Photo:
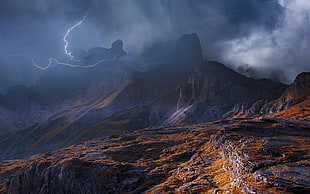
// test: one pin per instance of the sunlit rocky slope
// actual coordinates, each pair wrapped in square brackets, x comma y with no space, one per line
[238,155]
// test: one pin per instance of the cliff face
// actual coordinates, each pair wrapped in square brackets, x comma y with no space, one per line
[250,156]
[213,89]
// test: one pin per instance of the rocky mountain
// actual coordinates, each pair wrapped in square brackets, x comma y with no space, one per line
[184,90]
[181,124]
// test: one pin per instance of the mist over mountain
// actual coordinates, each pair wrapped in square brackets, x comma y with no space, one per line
[267,36]
[85,104]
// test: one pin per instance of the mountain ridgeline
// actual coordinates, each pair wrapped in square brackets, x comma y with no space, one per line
[68,106]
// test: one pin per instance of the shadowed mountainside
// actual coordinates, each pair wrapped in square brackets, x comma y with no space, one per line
[62,87]
[186,89]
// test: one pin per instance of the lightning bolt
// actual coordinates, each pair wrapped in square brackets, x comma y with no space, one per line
[68,33]
[68,53]
[33,62]
[51,60]
[82,66]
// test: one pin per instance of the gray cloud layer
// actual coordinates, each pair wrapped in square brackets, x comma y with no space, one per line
[259,34]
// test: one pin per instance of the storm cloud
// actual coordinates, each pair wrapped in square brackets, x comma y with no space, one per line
[265,35]
[285,51]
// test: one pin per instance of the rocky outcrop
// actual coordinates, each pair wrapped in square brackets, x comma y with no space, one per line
[266,159]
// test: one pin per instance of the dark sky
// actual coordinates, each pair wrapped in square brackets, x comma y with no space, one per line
[261,36]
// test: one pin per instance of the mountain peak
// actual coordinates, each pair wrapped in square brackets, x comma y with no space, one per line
[303,77]
[299,87]
[117,47]
[189,45]
[99,53]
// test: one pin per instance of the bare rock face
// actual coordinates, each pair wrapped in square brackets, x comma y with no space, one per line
[38,178]
[213,89]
